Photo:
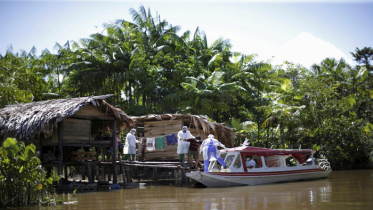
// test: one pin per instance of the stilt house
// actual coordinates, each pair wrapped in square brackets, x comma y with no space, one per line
[67,131]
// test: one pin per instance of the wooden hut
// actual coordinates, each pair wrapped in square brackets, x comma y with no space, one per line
[65,131]
[166,124]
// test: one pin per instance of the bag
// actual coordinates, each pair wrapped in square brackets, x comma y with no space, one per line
[183,147]
[125,149]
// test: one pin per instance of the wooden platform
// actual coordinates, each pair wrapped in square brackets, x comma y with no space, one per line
[101,172]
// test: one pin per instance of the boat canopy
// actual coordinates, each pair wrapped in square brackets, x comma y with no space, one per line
[299,155]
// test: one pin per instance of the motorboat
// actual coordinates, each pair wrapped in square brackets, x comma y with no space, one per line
[271,166]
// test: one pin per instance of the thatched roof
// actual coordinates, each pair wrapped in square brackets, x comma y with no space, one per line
[201,123]
[24,121]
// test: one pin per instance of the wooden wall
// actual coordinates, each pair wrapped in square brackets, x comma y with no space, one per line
[92,111]
[162,128]
[76,129]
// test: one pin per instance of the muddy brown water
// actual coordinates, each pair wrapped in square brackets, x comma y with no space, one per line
[341,190]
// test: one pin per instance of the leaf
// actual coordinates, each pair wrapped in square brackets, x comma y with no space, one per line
[11,144]
[21,169]
[368,128]
[40,186]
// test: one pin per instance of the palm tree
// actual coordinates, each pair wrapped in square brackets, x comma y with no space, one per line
[208,96]
[363,56]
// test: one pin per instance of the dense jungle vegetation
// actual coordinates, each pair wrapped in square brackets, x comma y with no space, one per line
[153,67]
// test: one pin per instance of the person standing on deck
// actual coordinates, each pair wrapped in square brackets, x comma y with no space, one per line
[183,145]
[141,146]
[131,142]
[193,151]
[210,149]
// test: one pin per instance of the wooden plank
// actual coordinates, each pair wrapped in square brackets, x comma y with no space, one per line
[163,122]
[163,129]
[93,111]
[84,153]
[194,132]
[92,117]
[84,158]
[76,129]
[85,138]
[79,141]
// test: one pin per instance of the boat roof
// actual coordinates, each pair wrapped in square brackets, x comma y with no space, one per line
[266,152]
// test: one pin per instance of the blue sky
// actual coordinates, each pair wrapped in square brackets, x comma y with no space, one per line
[277,30]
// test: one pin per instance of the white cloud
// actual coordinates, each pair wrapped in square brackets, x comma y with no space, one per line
[305,49]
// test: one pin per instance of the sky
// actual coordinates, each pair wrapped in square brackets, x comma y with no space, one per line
[276,30]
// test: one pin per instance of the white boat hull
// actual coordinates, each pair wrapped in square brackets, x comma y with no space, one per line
[230,179]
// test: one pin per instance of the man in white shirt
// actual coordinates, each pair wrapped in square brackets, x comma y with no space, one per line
[183,144]
[131,143]
[250,163]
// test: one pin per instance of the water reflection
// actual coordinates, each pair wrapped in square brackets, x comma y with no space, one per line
[342,190]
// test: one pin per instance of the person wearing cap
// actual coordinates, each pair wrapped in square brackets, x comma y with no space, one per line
[210,149]
[131,143]
[183,144]
[193,151]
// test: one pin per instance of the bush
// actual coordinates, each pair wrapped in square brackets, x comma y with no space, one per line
[23,181]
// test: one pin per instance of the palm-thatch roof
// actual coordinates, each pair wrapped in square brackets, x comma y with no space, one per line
[201,123]
[24,121]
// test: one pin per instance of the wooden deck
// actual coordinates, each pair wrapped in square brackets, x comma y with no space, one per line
[128,173]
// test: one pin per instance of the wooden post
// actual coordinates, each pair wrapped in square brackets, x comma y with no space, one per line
[60,148]
[83,172]
[66,172]
[155,174]
[93,166]
[90,175]
[103,176]
[183,177]
[109,174]
[128,173]
[114,150]
[124,176]
[138,174]
[178,176]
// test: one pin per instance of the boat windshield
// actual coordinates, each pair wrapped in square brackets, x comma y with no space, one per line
[228,160]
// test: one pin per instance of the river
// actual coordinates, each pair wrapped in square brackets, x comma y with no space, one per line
[341,190]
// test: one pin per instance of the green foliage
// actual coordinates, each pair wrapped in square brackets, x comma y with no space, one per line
[22,179]
[152,67]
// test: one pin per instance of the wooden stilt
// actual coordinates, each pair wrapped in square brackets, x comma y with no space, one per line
[180,174]
[155,175]
[66,172]
[90,174]
[128,174]
[103,175]
[83,172]
[138,174]
[176,177]
[124,176]
[109,173]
